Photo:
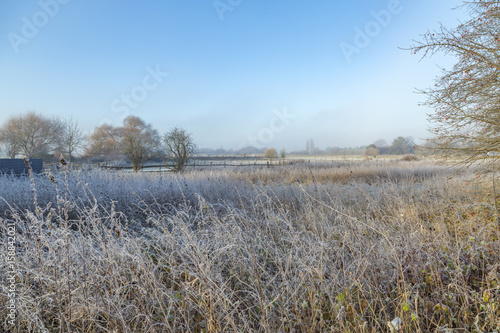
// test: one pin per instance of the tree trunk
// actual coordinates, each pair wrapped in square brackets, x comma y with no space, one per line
[136,166]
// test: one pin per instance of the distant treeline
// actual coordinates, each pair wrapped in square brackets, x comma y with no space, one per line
[34,135]
[399,146]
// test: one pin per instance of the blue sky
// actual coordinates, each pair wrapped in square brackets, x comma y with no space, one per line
[232,72]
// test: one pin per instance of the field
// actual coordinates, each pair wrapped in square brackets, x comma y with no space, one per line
[237,160]
[337,246]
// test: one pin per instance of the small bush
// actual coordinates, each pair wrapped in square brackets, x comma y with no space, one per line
[410,158]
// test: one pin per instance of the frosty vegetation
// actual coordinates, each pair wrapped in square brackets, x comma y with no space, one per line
[332,247]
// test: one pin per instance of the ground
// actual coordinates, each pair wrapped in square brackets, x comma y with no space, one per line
[336,246]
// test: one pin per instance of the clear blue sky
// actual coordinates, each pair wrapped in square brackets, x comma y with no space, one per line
[232,66]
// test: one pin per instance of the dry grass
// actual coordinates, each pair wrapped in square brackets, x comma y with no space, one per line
[300,249]
[329,172]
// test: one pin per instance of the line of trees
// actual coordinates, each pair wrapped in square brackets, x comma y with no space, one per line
[33,135]
[399,146]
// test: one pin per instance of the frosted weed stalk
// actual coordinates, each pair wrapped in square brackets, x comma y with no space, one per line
[213,251]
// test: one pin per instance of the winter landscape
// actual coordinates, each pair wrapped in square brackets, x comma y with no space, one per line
[121,210]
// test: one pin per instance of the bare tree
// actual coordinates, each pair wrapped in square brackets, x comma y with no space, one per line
[103,142]
[180,146]
[10,137]
[371,150]
[270,153]
[32,135]
[71,138]
[139,141]
[283,153]
[466,98]
[11,146]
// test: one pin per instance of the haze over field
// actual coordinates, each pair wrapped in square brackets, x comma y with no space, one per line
[230,72]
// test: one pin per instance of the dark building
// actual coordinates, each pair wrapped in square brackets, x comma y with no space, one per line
[16,166]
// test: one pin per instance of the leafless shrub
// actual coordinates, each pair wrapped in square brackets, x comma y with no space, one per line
[409,158]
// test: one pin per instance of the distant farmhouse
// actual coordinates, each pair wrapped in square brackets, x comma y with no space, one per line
[16,166]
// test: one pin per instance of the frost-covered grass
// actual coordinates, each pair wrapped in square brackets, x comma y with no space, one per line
[330,247]
[130,192]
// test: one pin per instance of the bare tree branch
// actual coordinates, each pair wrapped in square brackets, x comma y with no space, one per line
[466,98]
[72,138]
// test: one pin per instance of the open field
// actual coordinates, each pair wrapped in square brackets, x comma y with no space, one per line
[216,161]
[336,246]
